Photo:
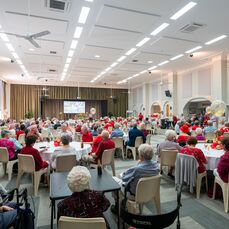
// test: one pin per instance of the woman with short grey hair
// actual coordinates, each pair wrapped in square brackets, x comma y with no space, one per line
[146,151]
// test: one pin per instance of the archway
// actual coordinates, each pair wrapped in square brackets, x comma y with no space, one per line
[196,106]
[155,108]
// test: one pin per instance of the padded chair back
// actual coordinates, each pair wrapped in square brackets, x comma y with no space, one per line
[4,156]
[147,189]
[108,156]
[26,163]
[138,141]
[210,136]
[81,223]
[21,139]
[118,142]
[226,134]
[168,157]
[148,139]
[65,163]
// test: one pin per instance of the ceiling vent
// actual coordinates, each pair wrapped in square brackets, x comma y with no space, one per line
[52,52]
[134,61]
[189,28]
[58,5]
[52,70]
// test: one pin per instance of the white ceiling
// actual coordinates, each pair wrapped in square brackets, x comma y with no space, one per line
[112,28]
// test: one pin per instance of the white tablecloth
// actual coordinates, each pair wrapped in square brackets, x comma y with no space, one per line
[46,155]
[212,155]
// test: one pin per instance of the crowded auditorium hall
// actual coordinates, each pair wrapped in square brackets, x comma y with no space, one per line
[114,114]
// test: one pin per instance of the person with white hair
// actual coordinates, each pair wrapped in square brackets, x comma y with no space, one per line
[86,135]
[117,132]
[199,134]
[169,143]
[34,131]
[83,202]
[66,131]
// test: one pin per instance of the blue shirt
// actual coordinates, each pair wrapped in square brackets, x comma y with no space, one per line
[16,143]
[133,133]
[117,133]
[142,169]
[209,129]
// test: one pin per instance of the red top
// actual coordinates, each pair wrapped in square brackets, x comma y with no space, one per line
[96,142]
[87,137]
[105,144]
[194,127]
[223,167]
[183,138]
[39,163]
[10,147]
[198,154]
[19,132]
[140,116]
[224,129]
[78,128]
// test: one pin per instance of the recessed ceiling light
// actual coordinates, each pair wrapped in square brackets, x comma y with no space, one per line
[164,62]
[70,53]
[143,71]
[4,37]
[159,29]
[129,78]
[83,14]
[183,10]
[142,42]
[177,57]
[114,64]
[135,75]
[121,58]
[150,62]
[66,65]
[31,49]
[78,31]
[130,51]
[2,58]
[97,56]
[107,69]
[151,68]
[10,47]
[89,0]
[194,49]
[74,44]
[215,40]
[15,55]
[68,60]
[19,61]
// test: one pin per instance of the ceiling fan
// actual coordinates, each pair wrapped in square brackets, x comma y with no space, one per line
[31,38]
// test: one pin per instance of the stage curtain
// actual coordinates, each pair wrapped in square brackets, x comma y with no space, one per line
[26,98]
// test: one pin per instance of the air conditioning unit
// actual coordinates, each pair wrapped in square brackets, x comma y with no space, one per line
[189,28]
[58,5]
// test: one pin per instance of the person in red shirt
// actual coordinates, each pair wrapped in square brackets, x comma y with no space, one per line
[196,125]
[21,131]
[223,166]
[184,135]
[197,153]
[86,135]
[140,116]
[28,149]
[225,128]
[97,140]
[106,143]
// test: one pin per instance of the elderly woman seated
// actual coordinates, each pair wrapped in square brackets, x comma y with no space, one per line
[66,149]
[83,202]
[199,135]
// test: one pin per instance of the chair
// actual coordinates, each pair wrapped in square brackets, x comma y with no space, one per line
[78,137]
[225,189]
[81,223]
[65,163]
[26,164]
[210,136]
[148,189]
[7,165]
[226,134]
[44,133]
[21,139]
[187,172]
[138,142]
[119,145]
[168,158]
[148,139]
[108,159]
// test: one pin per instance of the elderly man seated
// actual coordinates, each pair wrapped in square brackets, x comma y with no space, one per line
[210,128]
[146,167]
[66,131]
[117,132]
[34,131]
[83,202]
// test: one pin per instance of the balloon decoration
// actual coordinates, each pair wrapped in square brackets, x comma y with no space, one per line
[208,110]
[218,108]
[92,111]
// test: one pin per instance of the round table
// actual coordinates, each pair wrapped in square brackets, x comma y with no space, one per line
[212,155]
[46,155]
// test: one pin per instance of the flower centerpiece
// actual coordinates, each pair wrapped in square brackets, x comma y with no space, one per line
[217,141]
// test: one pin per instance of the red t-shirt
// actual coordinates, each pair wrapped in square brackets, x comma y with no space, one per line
[96,142]
[195,127]
[19,132]
[224,129]
[39,163]
[87,137]
[223,167]
[198,154]
[105,144]
[183,138]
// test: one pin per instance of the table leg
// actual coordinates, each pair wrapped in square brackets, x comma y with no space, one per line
[118,213]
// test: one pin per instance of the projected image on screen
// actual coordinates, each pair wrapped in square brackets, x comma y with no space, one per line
[73,107]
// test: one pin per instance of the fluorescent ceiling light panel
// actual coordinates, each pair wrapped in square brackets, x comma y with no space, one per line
[97,56]
[10,47]
[22,67]
[31,49]
[135,75]
[130,51]
[164,62]
[114,64]
[107,69]
[4,37]
[19,62]
[74,44]
[151,68]
[78,31]
[215,40]
[15,55]
[143,71]
[102,73]
[83,14]
[142,42]
[66,65]
[68,60]
[89,0]
[194,49]
[121,58]
[183,10]
[70,53]
[159,29]
[177,57]
[129,78]
[150,62]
